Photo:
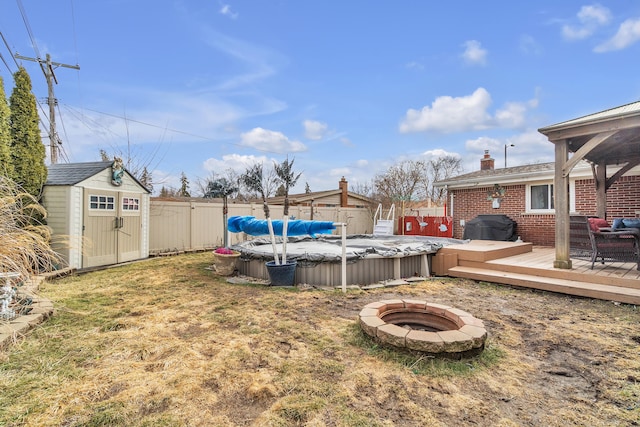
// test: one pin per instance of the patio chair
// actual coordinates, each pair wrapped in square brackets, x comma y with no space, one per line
[588,241]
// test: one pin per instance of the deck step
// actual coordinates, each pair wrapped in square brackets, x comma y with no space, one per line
[505,266]
[570,287]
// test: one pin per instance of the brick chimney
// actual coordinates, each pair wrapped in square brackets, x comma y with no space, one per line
[487,163]
[344,197]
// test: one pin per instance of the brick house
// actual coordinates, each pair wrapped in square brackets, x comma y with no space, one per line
[526,196]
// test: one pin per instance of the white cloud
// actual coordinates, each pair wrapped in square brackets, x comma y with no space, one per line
[512,115]
[346,141]
[628,34]
[260,62]
[529,45]
[590,19]
[414,65]
[438,152]
[448,114]
[474,53]
[340,172]
[226,10]
[314,130]
[467,113]
[478,145]
[236,162]
[268,140]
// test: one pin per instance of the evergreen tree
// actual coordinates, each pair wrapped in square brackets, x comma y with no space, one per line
[307,189]
[184,186]
[6,167]
[146,180]
[27,151]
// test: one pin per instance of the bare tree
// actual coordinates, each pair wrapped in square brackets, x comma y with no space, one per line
[404,181]
[366,189]
[442,168]
[270,182]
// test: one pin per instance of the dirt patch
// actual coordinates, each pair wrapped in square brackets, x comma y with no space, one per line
[191,349]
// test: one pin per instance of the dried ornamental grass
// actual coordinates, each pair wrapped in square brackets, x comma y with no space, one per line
[24,238]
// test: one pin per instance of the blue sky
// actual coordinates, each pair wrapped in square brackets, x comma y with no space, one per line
[346,88]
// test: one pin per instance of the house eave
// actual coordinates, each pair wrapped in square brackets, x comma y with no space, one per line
[581,171]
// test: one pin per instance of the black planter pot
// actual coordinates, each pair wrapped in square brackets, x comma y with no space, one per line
[282,274]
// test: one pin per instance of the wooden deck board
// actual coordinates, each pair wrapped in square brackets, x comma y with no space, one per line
[570,287]
[534,269]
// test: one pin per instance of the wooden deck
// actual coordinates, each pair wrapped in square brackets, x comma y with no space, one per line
[522,264]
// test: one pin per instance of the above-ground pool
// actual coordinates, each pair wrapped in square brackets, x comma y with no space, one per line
[370,259]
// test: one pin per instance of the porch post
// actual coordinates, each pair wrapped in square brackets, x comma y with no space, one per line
[561,194]
[601,190]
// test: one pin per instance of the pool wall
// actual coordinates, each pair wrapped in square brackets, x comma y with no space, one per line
[365,271]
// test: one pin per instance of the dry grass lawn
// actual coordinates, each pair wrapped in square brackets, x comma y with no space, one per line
[165,342]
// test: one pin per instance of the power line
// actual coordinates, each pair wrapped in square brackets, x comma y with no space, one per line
[5,62]
[47,67]
[9,49]
[177,131]
[73,27]
[64,129]
[28,27]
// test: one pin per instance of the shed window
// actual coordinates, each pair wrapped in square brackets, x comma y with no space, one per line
[130,204]
[104,203]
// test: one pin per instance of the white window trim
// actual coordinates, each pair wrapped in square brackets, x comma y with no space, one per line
[572,197]
[113,202]
[136,204]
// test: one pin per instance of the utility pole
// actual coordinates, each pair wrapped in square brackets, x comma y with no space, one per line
[47,67]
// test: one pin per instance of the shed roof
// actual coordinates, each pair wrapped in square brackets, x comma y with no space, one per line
[73,173]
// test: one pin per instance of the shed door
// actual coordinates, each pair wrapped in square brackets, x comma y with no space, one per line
[129,227]
[112,227]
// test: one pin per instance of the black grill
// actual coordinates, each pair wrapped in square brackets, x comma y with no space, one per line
[491,227]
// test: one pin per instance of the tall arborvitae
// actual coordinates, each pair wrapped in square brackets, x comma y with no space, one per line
[27,150]
[146,179]
[6,167]
[184,186]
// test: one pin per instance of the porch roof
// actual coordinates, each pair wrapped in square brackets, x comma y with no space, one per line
[619,129]
[606,138]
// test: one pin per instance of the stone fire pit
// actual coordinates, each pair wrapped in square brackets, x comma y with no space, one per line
[423,326]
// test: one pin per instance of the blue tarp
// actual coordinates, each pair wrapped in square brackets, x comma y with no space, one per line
[296,227]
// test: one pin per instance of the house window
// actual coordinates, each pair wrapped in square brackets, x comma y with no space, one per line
[103,203]
[130,204]
[542,197]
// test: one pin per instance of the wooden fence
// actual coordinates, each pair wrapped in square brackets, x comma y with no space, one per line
[199,225]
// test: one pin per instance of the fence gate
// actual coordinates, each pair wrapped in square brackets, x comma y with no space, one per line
[111,227]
